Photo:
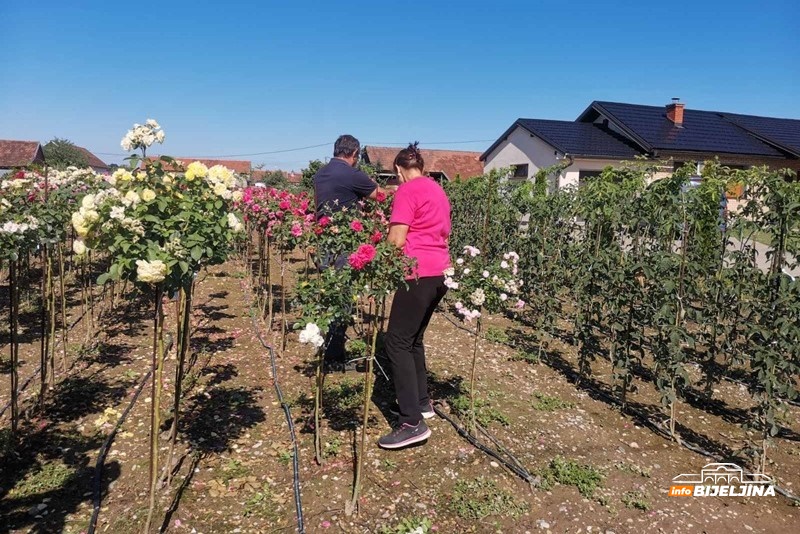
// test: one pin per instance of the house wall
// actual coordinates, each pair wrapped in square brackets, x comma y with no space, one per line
[522,147]
[519,148]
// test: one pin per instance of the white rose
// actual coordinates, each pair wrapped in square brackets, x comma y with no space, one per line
[312,334]
[449,271]
[79,247]
[88,202]
[237,196]
[234,223]
[117,212]
[148,195]
[151,272]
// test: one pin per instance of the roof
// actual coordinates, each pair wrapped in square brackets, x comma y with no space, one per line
[575,138]
[782,133]
[701,131]
[92,160]
[450,162]
[19,153]
[236,165]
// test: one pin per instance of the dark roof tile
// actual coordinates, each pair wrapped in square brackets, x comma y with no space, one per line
[581,139]
[701,131]
[783,133]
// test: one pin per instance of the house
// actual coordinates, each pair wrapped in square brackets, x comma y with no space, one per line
[94,162]
[607,133]
[236,165]
[15,154]
[442,165]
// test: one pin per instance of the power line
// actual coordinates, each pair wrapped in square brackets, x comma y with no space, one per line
[282,151]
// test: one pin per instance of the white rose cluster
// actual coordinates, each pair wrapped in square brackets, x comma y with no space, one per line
[312,334]
[143,136]
[11,227]
[151,272]
[234,223]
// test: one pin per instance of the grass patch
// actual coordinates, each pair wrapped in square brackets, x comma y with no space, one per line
[233,469]
[633,469]
[636,499]
[485,413]
[357,348]
[260,503]
[47,478]
[409,525]
[479,498]
[332,448]
[550,403]
[498,335]
[568,472]
[348,394]
[525,356]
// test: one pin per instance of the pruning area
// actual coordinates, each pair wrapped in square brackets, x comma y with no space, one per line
[163,331]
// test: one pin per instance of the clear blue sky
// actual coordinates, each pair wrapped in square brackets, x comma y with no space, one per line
[243,77]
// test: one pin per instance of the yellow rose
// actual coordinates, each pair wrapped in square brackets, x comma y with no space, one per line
[220,189]
[148,195]
[195,170]
[141,176]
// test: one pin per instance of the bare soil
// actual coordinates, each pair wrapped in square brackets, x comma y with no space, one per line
[234,469]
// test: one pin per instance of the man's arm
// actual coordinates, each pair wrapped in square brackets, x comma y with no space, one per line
[378,189]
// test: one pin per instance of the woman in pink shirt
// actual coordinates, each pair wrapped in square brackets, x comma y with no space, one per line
[420,225]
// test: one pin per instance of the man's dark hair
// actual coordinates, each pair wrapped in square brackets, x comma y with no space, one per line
[345,146]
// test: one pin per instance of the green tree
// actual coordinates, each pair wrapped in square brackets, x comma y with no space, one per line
[275,179]
[307,182]
[62,153]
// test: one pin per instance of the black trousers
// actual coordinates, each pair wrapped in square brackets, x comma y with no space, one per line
[412,309]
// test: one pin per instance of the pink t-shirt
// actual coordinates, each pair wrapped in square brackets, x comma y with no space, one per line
[423,205]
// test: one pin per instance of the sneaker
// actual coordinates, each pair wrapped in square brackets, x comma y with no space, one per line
[405,435]
[425,409]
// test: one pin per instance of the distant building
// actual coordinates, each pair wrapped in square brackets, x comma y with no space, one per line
[442,165]
[94,162]
[607,133]
[15,154]
[242,167]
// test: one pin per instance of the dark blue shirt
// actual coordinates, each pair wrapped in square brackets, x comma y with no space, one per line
[337,185]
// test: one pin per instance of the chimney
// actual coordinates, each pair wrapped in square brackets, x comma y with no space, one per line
[675,112]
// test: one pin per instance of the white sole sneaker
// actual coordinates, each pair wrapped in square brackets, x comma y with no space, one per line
[426,414]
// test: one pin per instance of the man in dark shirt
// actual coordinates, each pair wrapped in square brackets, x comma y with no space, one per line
[337,185]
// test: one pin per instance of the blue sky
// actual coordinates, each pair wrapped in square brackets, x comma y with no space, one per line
[247,77]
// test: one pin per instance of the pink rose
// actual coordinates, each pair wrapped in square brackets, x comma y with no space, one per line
[356,226]
[297,230]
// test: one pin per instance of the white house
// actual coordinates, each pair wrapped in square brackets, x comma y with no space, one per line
[607,133]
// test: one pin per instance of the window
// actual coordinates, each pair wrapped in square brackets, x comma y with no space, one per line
[520,171]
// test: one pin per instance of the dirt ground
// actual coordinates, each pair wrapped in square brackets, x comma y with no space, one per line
[235,454]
